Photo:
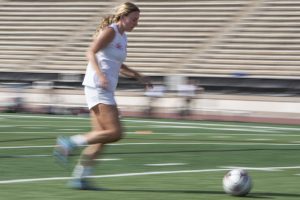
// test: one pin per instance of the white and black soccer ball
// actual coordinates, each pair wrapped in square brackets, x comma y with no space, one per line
[237,182]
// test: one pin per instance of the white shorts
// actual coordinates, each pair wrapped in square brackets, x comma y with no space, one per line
[95,96]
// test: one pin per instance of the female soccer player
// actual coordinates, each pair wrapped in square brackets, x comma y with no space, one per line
[106,56]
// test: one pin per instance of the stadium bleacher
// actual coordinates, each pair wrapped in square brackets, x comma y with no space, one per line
[262,42]
[216,41]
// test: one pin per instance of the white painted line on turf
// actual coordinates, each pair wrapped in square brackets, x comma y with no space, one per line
[34,180]
[155,122]
[49,155]
[262,168]
[161,133]
[43,117]
[213,124]
[39,132]
[6,126]
[112,175]
[221,136]
[108,159]
[165,164]
[260,139]
[69,129]
[27,147]
[216,128]
[150,173]
[170,143]
[206,143]
[33,127]
[251,168]
[229,134]
[223,168]
[182,134]
[58,125]
[27,156]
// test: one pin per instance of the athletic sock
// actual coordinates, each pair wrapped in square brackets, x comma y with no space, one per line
[81,172]
[78,140]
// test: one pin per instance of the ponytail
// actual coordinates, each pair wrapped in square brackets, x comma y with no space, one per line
[122,10]
[106,21]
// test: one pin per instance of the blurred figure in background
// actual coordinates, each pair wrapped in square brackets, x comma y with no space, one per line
[187,92]
[153,95]
[106,56]
[15,102]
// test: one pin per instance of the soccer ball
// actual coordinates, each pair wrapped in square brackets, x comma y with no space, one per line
[237,182]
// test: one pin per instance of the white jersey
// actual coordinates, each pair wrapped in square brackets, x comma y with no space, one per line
[109,60]
[186,90]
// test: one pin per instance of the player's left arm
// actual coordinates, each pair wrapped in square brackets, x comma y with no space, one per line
[131,73]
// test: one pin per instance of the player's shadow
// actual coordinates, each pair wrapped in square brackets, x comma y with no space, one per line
[271,195]
[256,195]
[166,191]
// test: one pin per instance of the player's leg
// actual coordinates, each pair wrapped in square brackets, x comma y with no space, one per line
[84,167]
[106,119]
[111,130]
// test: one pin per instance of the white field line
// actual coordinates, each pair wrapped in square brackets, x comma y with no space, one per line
[170,143]
[43,117]
[75,128]
[42,132]
[108,159]
[206,143]
[26,147]
[155,122]
[215,128]
[221,136]
[150,173]
[262,168]
[112,175]
[164,164]
[30,156]
[161,133]
[227,134]
[213,124]
[50,155]
[261,139]
[46,125]
[31,127]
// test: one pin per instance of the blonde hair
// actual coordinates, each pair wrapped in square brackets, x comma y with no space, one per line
[122,10]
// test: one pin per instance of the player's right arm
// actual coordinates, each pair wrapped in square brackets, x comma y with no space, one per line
[100,42]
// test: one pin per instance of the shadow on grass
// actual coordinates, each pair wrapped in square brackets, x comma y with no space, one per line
[255,195]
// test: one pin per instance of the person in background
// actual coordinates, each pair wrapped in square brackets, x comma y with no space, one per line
[153,94]
[106,57]
[188,92]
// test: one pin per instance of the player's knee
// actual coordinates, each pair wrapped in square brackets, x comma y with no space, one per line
[112,135]
[116,134]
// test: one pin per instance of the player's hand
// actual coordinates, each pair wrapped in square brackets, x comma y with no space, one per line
[103,82]
[146,81]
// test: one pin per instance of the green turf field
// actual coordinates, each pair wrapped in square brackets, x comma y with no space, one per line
[157,159]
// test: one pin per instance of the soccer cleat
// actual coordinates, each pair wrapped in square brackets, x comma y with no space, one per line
[82,184]
[63,148]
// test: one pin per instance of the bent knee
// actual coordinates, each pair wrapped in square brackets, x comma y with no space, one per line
[116,135]
[108,136]
[112,135]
